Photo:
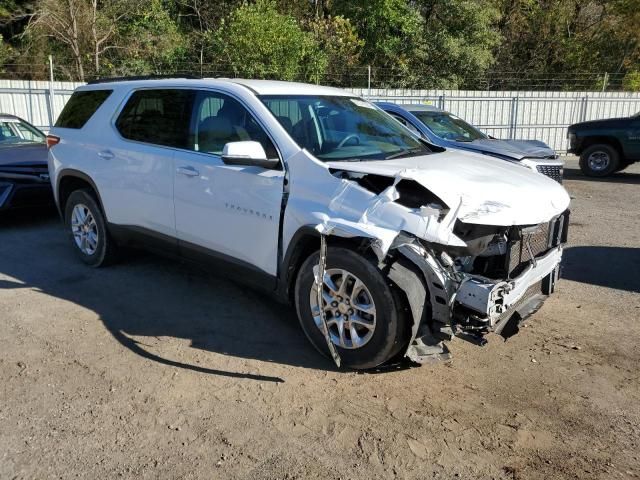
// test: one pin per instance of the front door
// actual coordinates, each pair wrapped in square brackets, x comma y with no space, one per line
[221,210]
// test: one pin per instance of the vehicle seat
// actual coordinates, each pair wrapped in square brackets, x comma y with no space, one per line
[286,123]
[234,113]
[214,133]
[151,121]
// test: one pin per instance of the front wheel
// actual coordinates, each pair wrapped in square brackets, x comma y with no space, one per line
[599,160]
[366,317]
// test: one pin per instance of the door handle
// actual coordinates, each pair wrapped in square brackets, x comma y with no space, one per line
[188,171]
[106,154]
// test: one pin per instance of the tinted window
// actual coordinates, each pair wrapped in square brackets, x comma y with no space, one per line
[343,128]
[80,107]
[157,116]
[220,119]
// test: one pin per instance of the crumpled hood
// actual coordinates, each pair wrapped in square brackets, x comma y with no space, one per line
[483,190]
[516,149]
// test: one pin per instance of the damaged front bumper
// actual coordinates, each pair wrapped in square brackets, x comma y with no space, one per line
[469,306]
[499,306]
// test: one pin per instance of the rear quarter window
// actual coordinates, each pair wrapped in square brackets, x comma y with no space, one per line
[80,107]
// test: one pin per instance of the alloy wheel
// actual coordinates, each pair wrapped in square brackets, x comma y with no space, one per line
[84,229]
[349,309]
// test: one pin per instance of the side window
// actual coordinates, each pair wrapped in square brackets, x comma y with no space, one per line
[219,119]
[80,107]
[298,122]
[28,133]
[160,117]
[398,118]
[6,133]
[405,123]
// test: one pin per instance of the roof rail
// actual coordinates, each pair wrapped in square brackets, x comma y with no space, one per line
[140,77]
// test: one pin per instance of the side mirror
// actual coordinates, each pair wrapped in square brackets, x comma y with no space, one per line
[247,153]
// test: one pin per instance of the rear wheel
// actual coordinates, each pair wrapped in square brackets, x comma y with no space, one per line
[599,160]
[86,224]
[365,315]
[623,165]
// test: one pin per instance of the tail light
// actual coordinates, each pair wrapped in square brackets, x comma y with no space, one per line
[52,140]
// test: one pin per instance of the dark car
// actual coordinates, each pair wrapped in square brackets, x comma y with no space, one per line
[24,176]
[605,146]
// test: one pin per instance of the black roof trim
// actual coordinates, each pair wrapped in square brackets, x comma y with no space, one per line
[140,77]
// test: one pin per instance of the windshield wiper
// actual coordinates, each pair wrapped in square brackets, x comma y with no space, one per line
[403,152]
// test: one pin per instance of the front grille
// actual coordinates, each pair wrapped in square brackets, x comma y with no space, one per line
[531,242]
[552,171]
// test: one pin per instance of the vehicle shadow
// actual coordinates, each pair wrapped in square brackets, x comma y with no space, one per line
[146,298]
[620,177]
[613,267]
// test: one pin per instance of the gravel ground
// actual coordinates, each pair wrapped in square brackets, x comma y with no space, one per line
[150,369]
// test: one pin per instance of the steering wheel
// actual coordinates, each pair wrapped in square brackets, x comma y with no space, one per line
[450,136]
[347,138]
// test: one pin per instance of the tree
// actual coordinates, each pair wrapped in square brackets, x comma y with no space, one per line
[631,81]
[87,28]
[6,52]
[62,20]
[458,41]
[341,45]
[575,40]
[258,41]
[153,40]
[392,31]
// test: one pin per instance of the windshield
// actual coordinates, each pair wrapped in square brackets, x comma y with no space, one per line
[343,128]
[15,131]
[449,127]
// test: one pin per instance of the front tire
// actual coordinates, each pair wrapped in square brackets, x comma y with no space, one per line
[599,160]
[88,229]
[366,316]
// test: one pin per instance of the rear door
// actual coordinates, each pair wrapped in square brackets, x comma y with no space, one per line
[227,211]
[138,183]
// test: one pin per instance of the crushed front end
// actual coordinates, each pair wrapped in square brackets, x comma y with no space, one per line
[500,278]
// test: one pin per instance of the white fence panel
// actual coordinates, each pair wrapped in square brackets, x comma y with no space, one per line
[502,114]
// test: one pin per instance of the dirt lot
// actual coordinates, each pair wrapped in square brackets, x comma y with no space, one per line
[150,369]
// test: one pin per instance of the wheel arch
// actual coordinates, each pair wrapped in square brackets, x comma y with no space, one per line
[304,243]
[602,139]
[70,180]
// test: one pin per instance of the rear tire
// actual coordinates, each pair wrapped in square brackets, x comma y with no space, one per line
[364,346]
[623,165]
[87,227]
[599,160]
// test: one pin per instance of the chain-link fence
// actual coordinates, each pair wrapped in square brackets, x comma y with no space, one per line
[340,76]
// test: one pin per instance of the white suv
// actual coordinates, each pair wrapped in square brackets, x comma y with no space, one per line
[283,184]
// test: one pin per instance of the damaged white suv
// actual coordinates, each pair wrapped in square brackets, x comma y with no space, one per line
[283,184]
